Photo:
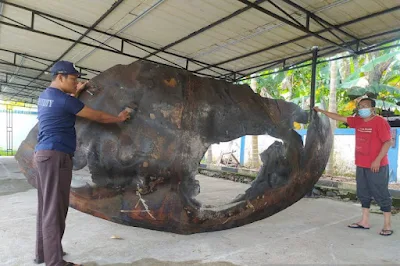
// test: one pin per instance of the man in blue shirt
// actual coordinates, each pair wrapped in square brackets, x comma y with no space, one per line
[57,111]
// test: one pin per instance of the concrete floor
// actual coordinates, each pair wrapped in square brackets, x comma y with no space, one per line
[312,231]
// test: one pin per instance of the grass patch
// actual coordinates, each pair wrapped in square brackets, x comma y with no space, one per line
[10,153]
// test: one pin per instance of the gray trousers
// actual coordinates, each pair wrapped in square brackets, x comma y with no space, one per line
[370,184]
[53,187]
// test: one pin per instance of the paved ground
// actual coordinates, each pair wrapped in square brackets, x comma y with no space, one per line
[312,231]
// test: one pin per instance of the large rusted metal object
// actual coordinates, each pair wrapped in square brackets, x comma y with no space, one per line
[143,171]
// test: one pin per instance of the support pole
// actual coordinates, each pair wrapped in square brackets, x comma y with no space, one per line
[9,130]
[312,94]
[313,77]
[242,148]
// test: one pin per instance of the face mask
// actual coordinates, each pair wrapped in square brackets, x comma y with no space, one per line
[365,112]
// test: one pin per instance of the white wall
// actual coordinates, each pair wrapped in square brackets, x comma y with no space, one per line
[344,154]
[21,125]
[264,141]
[343,150]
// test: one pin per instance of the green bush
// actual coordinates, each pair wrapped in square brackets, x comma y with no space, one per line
[3,152]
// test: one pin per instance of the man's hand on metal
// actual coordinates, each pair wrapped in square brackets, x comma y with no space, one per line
[317,109]
[79,88]
[124,115]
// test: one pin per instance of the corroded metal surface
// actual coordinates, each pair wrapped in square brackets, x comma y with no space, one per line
[143,171]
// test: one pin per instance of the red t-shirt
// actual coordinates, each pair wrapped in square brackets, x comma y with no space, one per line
[370,137]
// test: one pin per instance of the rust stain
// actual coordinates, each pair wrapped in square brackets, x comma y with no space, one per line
[170,83]
[174,115]
[158,147]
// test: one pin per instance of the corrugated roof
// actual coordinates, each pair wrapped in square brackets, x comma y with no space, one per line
[225,39]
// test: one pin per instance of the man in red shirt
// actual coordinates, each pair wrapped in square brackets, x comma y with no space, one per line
[373,140]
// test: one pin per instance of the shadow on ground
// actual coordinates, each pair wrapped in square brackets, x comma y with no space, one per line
[11,186]
[154,262]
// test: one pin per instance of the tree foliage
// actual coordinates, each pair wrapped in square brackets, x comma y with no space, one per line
[376,75]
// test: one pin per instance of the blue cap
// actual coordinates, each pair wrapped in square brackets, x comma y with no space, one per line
[65,68]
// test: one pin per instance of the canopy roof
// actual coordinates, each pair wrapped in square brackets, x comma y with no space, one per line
[224,39]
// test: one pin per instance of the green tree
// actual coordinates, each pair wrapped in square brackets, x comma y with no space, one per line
[378,77]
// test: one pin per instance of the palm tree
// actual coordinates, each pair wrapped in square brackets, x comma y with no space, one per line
[332,108]
[255,160]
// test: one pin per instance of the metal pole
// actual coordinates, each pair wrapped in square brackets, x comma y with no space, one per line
[313,76]
[242,149]
[312,94]
[9,130]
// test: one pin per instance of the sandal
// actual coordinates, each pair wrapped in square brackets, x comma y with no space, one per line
[385,232]
[72,264]
[357,226]
[38,261]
